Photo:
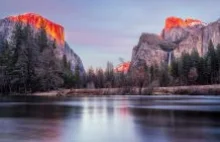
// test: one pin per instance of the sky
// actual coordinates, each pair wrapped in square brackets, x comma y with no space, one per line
[106,30]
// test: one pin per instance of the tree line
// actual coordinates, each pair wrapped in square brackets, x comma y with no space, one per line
[191,69]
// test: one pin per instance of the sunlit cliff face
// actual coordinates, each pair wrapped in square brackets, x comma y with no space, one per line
[123,67]
[172,22]
[55,31]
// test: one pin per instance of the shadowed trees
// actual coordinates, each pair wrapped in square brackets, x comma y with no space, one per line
[28,62]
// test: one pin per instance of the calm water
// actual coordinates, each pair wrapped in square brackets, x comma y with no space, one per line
[112,119]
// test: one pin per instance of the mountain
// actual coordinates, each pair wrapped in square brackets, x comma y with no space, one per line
[178,36]
[55,32]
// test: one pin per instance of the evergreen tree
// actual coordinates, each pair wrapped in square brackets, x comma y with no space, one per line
[69,79]
[195,58]
[24,59]
[77,76]
[17,67]
[164,76]
[185,65]
[90,78]
[99,78]
[65,62]
[202,72]
[109,75]
[5,66]
[212,62]
[175,69]
[31,57]
[218,62]
[50,71]
[17,40]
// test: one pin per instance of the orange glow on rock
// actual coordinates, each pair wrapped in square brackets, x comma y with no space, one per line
[54,30]
[124,67]
[172,22]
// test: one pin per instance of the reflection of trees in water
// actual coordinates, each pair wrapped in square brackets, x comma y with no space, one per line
[98,106]
[37,119]
[43,111]
[174,125]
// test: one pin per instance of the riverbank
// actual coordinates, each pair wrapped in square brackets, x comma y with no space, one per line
[177,90]
[181,90]
[189,90]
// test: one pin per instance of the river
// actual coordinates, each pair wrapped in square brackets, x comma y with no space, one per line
[112,119]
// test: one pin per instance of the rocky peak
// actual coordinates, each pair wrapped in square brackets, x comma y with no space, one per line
[55,31]
[172,22]
[123,67]
[148,51]
[178,36]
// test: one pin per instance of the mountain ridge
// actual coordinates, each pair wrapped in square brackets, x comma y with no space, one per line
[178,38]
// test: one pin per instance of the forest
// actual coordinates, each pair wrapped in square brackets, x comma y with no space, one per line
[28,64]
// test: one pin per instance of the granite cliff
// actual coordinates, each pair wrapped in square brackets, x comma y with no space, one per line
[55,32]
[178,36]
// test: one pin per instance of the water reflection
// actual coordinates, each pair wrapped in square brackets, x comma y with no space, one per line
[108,119]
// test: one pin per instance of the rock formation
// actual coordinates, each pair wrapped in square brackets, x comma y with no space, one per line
[53,30]
[123,67]
[178,36]
[148,51]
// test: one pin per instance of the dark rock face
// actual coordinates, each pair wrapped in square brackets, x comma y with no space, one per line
[153,49]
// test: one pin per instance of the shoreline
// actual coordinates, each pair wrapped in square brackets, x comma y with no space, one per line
[209,90]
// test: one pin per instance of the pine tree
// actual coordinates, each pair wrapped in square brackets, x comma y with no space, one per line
[99,78]
[195,58]
[109,75]
[49,72]
[90,78]
[5,65]
[65,63]
[164,76]
[212,62]
[185,65]
[175,69]
[31,53]
[17,40]
[152,73]
[17,67]
[202,75]
[218,62]
[77,76]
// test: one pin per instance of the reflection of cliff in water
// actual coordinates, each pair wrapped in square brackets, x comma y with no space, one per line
[32,120]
